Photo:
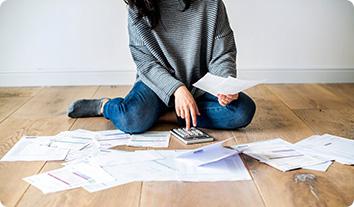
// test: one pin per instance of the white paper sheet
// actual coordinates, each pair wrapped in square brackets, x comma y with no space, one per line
[329,146]
[115,157]
[319,167]
[207,154]
[112,138]
[218,85]
[279,154]
[159,139]
[34,149]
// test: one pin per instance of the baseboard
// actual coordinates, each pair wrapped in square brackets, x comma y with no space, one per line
[67,78]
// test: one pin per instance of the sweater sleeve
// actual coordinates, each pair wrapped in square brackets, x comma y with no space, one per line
[149,69]
[223,60]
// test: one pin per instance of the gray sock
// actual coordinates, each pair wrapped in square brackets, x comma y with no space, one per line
[85,108]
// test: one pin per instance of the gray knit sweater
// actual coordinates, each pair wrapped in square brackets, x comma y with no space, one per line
[183,47]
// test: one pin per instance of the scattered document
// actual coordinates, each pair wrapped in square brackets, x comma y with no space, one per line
[157,139]
[93,166]
[279,154]
[228,169]
[115,157]
[34,149]
[208,154]
[330,147]
[218,85]
[77,144]
[112,138]
[68,177]
[169,168]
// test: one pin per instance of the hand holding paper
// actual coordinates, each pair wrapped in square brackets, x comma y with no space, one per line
[218,85]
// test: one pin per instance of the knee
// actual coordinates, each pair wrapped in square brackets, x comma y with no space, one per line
[131,124]
[245,109]
[133,121]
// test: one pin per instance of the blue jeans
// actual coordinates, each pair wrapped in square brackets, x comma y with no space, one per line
[141,108]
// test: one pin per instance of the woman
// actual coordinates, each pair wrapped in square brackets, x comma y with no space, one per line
[174,43]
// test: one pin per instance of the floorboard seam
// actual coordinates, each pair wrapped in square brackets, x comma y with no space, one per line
[140,195]
[292,110]
[29,99]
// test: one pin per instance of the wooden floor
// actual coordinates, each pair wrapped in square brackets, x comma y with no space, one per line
[292,112]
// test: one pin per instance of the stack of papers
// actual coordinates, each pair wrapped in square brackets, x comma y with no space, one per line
[279,154]
[218,85]
[72,145]
[109,168]
[329,147]
[314,153]
[94,167]
[170,165]
[68,177]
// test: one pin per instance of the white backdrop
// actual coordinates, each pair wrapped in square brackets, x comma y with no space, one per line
[85,42]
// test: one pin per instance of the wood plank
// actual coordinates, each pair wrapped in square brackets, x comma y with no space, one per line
[10,105]
[44,114]
[241,193]
[339,122]
[18,92]
[12,99]
[307,96]
[345,91]
[124,195]
[274,119]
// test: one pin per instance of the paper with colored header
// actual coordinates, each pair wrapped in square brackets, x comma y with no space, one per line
[68,177]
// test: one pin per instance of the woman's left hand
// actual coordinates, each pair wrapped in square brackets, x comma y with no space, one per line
[226,99]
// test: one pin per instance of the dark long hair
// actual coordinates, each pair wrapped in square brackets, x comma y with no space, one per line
[149,9]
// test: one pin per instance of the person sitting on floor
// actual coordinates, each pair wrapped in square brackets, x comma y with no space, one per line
[174,43]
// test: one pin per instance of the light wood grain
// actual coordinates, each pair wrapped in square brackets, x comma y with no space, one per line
[18,92]
[12,99]
[44,114]
[223,194]
[307,96]
[345,91]
[273,119]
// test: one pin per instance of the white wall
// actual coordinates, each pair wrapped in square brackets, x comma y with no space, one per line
[73,42]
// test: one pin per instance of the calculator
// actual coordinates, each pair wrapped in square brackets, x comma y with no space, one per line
[192,136]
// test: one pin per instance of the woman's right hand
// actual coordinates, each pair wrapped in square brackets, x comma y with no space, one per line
[186,107]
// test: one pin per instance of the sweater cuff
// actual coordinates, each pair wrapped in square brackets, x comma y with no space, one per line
[171,91]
